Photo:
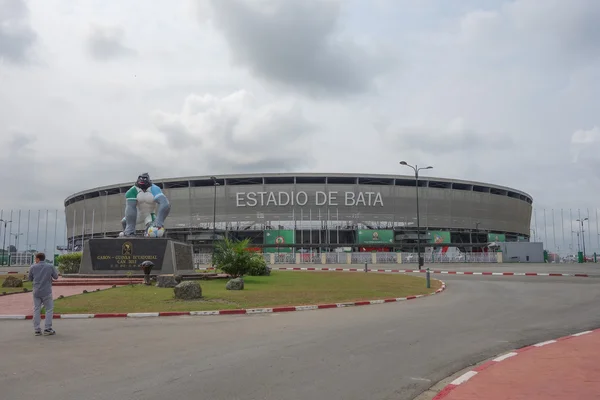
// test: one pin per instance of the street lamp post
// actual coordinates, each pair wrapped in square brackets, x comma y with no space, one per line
[417,169]
[214,235]
[4,239]
[583,236]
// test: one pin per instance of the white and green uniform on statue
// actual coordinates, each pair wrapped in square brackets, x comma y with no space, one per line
[145,203]
[141,208]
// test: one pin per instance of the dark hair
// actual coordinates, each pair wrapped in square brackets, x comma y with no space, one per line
[40,256]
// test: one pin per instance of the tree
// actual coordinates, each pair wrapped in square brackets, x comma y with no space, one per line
[235,259]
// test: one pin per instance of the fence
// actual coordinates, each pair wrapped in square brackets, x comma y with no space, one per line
[16,259]
[204,259]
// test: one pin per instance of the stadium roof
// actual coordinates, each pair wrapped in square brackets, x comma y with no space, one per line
[313,178]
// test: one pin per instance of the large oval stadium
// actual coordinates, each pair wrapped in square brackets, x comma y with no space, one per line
[317,211]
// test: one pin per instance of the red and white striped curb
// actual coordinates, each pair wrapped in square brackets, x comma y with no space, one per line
[230,312]
[473,372]
[433,271]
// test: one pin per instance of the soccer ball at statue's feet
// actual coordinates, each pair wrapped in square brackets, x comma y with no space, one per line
[155,232]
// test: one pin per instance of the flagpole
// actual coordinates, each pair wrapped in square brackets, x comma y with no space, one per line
[18,231]
[10,229]
[28,225]
[588,224]
[580,229]
[536,231]
[55,232]
[553,229]
[545,230]
[597,231]
[9,236]
[46,235]
[37,234]
[571,228]
[562,227]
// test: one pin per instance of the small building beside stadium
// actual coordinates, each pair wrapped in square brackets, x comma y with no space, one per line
[299,212]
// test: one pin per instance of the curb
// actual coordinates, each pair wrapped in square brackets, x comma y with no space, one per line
[229,312]
[466,376]
[431,271]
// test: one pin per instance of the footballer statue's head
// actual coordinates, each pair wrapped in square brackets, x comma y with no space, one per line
[143,181]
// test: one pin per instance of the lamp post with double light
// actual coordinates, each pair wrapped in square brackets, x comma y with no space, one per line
[417,169]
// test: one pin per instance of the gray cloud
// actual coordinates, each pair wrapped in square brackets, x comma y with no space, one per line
[105,43]
[21,142]
[294,44]
[16,35]
[453,138]
[569,27]
[174,131]
[238,131]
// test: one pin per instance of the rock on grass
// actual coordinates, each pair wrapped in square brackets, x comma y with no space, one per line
[235,284]
[188,290]
[12,282]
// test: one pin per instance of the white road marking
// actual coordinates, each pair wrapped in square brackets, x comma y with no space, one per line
[581,333]
[504,357]
[142,315]
[463,378]
[544,343]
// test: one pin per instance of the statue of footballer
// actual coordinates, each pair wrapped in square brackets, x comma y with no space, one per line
[146,203]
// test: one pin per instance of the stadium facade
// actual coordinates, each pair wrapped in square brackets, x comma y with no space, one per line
[317,211]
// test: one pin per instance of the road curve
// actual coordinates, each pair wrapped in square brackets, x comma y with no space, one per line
[389,351]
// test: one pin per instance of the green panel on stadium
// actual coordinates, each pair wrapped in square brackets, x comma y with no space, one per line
[439,237]
[280,237]
[375,236]
[496,237]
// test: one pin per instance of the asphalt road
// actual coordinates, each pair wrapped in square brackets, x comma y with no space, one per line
[389,351]
[591,268]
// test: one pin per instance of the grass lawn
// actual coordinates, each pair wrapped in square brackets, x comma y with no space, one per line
[279,289]
[12,290]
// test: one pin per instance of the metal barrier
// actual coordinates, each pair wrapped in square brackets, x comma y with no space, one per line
[335,258]
[202,260]
[285,258]
[411,258]
[310,258]
[386,258]
[361,258]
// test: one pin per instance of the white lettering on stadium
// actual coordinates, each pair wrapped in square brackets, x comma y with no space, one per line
[263,199]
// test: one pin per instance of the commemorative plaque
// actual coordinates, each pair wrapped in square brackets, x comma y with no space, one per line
[118,256]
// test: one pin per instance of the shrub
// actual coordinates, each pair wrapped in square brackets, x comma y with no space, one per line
[234,258]
[69,263]
[258,266]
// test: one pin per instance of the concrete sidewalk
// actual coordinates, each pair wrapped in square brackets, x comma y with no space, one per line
[566,368]
[22,303]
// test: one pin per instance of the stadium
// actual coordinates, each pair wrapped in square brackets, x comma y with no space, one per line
[304,212]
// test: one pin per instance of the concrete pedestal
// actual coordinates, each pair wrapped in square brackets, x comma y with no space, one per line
[118,256]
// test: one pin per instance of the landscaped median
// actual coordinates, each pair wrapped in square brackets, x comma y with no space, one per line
[281,291]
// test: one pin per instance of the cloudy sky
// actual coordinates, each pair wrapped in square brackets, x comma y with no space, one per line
[94,92]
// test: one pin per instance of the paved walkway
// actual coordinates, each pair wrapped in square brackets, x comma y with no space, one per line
[22,303]
[564,369]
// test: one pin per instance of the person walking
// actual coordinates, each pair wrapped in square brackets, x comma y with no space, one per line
[41,274]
